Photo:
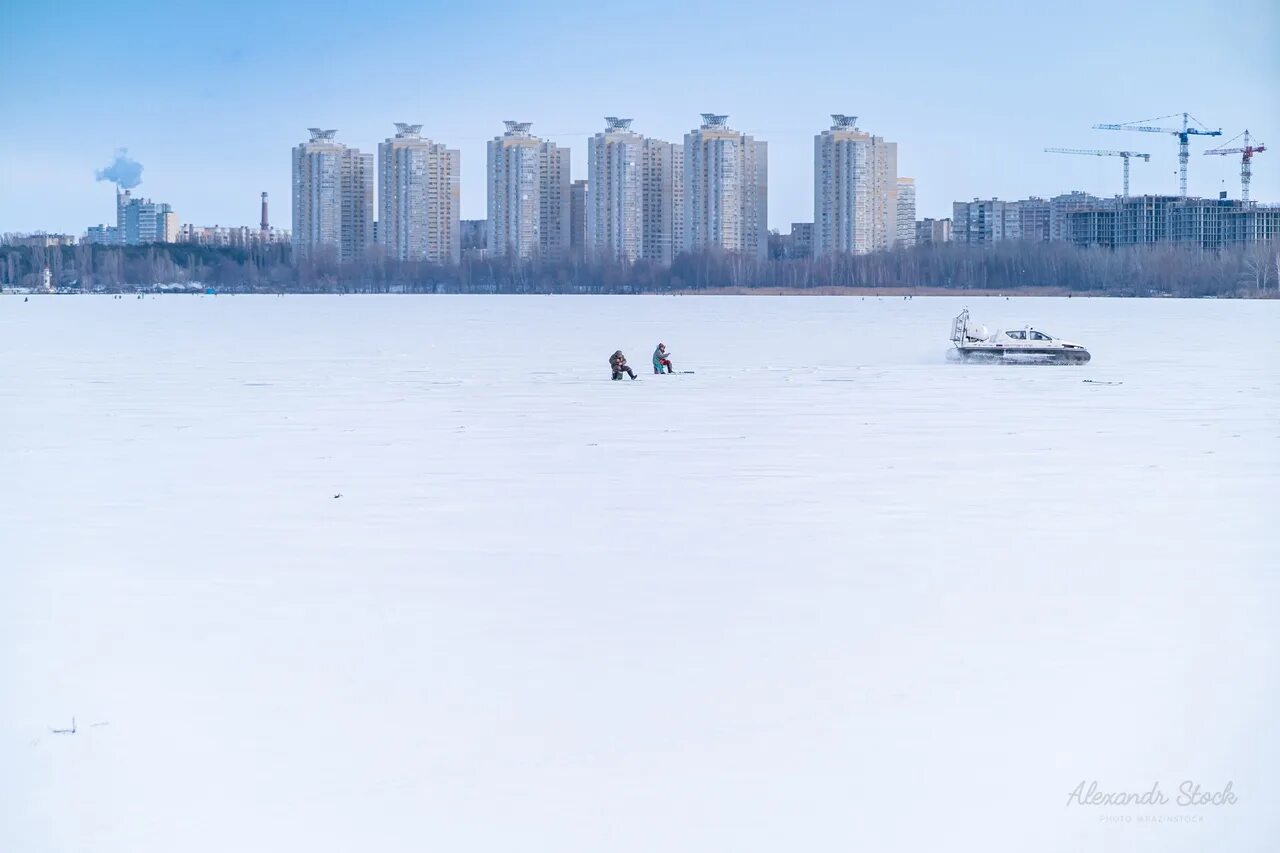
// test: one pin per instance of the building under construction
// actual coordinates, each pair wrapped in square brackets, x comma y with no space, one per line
[1150,219]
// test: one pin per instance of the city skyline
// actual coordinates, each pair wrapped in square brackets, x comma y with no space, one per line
[652,200]
[971,96]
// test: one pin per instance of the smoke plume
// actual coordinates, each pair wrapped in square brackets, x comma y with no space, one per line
[124,172]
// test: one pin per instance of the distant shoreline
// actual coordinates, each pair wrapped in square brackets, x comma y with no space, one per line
[837,290]
[1043,291]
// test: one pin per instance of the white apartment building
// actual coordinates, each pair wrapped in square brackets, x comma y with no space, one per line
[615,205]
[418,198]
[528,195]
[982,222]
[663,178]
[635,205]
[332,197]
[234,235]
[906,232]
[725,190]
[855,190]
[140,221]
[1033,218]
[553,201]
[102,235]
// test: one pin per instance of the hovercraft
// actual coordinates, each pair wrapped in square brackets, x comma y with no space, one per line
[974,342]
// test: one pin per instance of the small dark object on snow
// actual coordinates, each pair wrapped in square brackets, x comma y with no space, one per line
[338,495]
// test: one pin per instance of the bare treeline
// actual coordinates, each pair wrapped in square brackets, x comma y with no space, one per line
[1250,270]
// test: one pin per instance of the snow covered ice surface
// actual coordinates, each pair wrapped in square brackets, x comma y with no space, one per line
[828,593]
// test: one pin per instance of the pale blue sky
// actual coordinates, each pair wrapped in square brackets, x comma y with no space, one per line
[211,96]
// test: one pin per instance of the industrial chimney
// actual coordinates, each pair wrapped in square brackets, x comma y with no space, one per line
[266,225]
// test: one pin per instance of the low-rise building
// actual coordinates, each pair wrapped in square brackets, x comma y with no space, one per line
[474,236]
[40,240]
[933,231]
[232,235]
[1033,218]
[102,235]
[802,239]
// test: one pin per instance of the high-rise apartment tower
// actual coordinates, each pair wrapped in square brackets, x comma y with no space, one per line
[418,197]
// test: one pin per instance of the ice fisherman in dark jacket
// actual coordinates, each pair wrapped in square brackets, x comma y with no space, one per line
[618,364]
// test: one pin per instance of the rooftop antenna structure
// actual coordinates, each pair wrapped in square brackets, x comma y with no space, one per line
[409,130]
[1184,134]
[615,123]
[840,121]
[1101,153]
[1246,151]
[714,120]
[319,135]
[518,128]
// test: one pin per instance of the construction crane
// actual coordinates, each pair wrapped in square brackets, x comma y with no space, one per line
[1098,153]
[1246,152]
[1183,134]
